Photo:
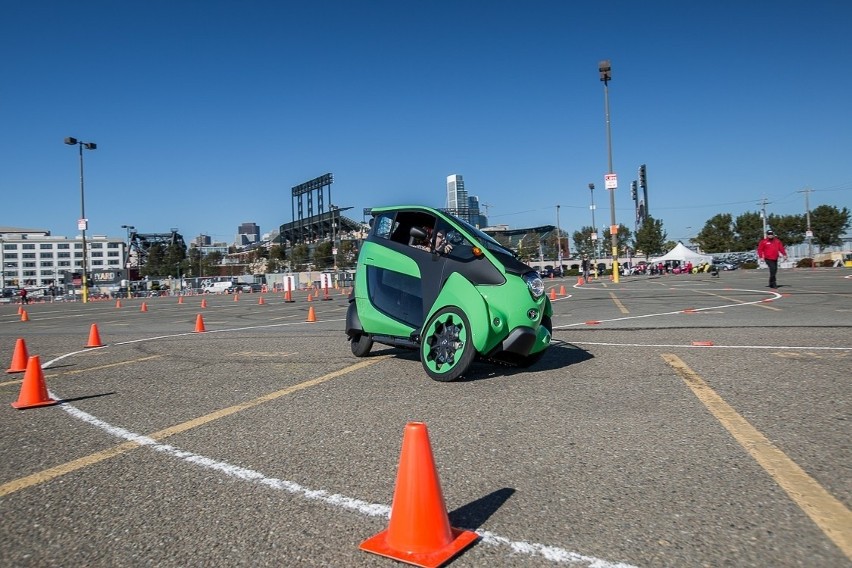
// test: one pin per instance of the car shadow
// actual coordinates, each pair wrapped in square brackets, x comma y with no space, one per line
[559,355]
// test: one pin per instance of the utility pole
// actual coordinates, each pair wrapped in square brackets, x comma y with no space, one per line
[605,70]
[763,204]
[809,234]
[558,241]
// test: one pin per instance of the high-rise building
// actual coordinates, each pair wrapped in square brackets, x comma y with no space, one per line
[457,202]
[248,234]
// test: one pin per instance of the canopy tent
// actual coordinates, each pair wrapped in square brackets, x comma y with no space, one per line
[684,255]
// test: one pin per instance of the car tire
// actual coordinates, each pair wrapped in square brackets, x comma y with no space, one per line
[446,349]
[361,344]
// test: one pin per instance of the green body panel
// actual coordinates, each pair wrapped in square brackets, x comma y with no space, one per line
[371,318]
[458,291]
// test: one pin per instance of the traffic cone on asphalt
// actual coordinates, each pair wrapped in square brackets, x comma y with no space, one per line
[312,316]
[20,309]
[419,531]
[236,297]
[180,299]
[25,316]
[199,324]
[553,293]
[310,297]
[118,303]
[260,301]
[203,302]
[580,281]
[144,307]
[562,290]
[19,358]
[288,297]
[33,390]
[94,337]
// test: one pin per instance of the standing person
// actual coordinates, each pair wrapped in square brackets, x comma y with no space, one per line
[24,299]
[770,249]
[585,266]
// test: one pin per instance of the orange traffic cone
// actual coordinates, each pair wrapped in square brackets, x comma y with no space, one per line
[288,297]
[25,316]
[580,281]
[144,307]
[203,302]
[312,317]
[180,299]
[553,293]
[19,358]
[260,301]
[33,390]
[94,337]
[419,532]
[199,324]
[562,290]
[236,297]
[118,303]
[310,298]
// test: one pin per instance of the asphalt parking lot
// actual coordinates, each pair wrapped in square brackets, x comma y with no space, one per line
[675,421]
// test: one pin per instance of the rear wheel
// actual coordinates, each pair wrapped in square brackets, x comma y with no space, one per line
[361,344]
[446,350]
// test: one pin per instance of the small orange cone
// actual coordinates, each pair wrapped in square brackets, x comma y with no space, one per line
[312,317]
[260,301]
[310,298]
[553,293]
[25,316]
[94,337]
[180,299]
[288,297]
[203,302]
[118,303]
[562,290]
[144,307]
[33,390]
[199,324]
[236,297]
[19,358]
[419,531]
[580,281]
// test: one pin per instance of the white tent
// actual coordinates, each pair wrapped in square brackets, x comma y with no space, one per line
[684,255]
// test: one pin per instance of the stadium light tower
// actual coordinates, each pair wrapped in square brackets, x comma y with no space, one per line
[83,223]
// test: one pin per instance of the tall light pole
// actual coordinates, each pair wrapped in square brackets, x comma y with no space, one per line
[83,223]
[130,230]
[333,209]
[605,70]
[558,241]
[594,235]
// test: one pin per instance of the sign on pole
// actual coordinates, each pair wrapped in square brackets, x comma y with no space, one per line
[611,181]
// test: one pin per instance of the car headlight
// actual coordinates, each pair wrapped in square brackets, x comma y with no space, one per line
[535,284]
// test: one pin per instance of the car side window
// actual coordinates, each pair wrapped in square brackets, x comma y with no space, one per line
[383,226]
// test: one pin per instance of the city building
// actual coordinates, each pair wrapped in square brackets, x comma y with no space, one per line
[247,234]
[35,258]
[457,201]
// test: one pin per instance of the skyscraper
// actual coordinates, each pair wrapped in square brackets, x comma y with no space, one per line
[248,233]
[457,203]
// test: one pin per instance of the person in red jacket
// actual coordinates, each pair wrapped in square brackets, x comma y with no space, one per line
[770,250]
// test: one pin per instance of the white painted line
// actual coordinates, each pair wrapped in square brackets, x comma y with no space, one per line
[667,345]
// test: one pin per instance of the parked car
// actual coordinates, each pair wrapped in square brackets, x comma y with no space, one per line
[427,280]
[252,287]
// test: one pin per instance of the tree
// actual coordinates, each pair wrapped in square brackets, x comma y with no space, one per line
[717,234]
[828,224]
[789,228]
[651,238]
[299,257]
[583,243]
[749,230]
[623,239]
[528,247]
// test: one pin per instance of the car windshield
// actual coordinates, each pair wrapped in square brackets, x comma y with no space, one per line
[485,240]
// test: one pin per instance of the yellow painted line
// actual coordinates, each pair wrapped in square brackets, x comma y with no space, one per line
[759,305]
[68,467]
[78,371]
[618,303]
[829,514]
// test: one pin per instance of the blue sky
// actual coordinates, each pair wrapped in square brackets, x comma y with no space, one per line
[207,113]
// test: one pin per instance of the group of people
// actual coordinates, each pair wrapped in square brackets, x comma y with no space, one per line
[770,250]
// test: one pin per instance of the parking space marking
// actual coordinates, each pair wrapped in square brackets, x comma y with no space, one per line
[89,369]
[760,305]
[827,512]
[618,303]
[688,346]
[138,440]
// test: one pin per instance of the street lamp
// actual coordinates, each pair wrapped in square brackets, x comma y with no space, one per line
[130,230]
[594,235]
[605,70]
[83,223]
[558,241]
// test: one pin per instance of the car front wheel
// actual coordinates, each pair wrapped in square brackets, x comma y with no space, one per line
[446,350]
[361,345]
